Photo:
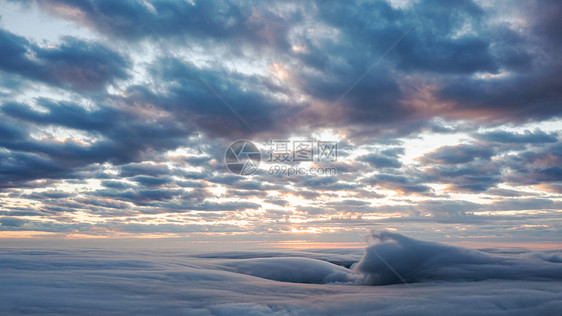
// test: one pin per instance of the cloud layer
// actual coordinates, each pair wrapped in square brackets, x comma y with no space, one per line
[281,282]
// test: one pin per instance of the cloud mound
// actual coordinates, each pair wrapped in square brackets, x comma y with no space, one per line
[292,269]
[419,261]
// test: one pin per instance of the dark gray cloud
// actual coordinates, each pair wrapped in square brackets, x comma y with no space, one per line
[224,21]
[405,184]
[476,177]
[146,169]
[19,168]
[73,64]
[122,136]
[536,137]
[458,154]
[381,161]
[151,181]
[534,167]
[449,43]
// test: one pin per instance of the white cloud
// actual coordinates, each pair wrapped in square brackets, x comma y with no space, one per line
[97,281]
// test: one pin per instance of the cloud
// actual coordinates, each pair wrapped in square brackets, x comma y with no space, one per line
[536,166]
[458,154]
[70,280]
[381,161]
[399,182]
[133,20]
[12,221]
[116,135]
[73,63]
[477,177]
[295,270]
[420,261]
[19,168]
[450,44]
[528,137]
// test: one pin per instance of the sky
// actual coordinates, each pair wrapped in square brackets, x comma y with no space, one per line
[445,118]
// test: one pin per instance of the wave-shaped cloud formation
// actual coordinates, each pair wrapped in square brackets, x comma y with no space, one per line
[296,270]
[395,259]
[443,280]
[410,260]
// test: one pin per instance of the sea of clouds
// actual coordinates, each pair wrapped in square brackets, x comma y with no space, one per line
[396,275]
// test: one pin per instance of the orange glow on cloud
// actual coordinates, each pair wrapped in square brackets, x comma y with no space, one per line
[279,72]
[305,244]
[26,234]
